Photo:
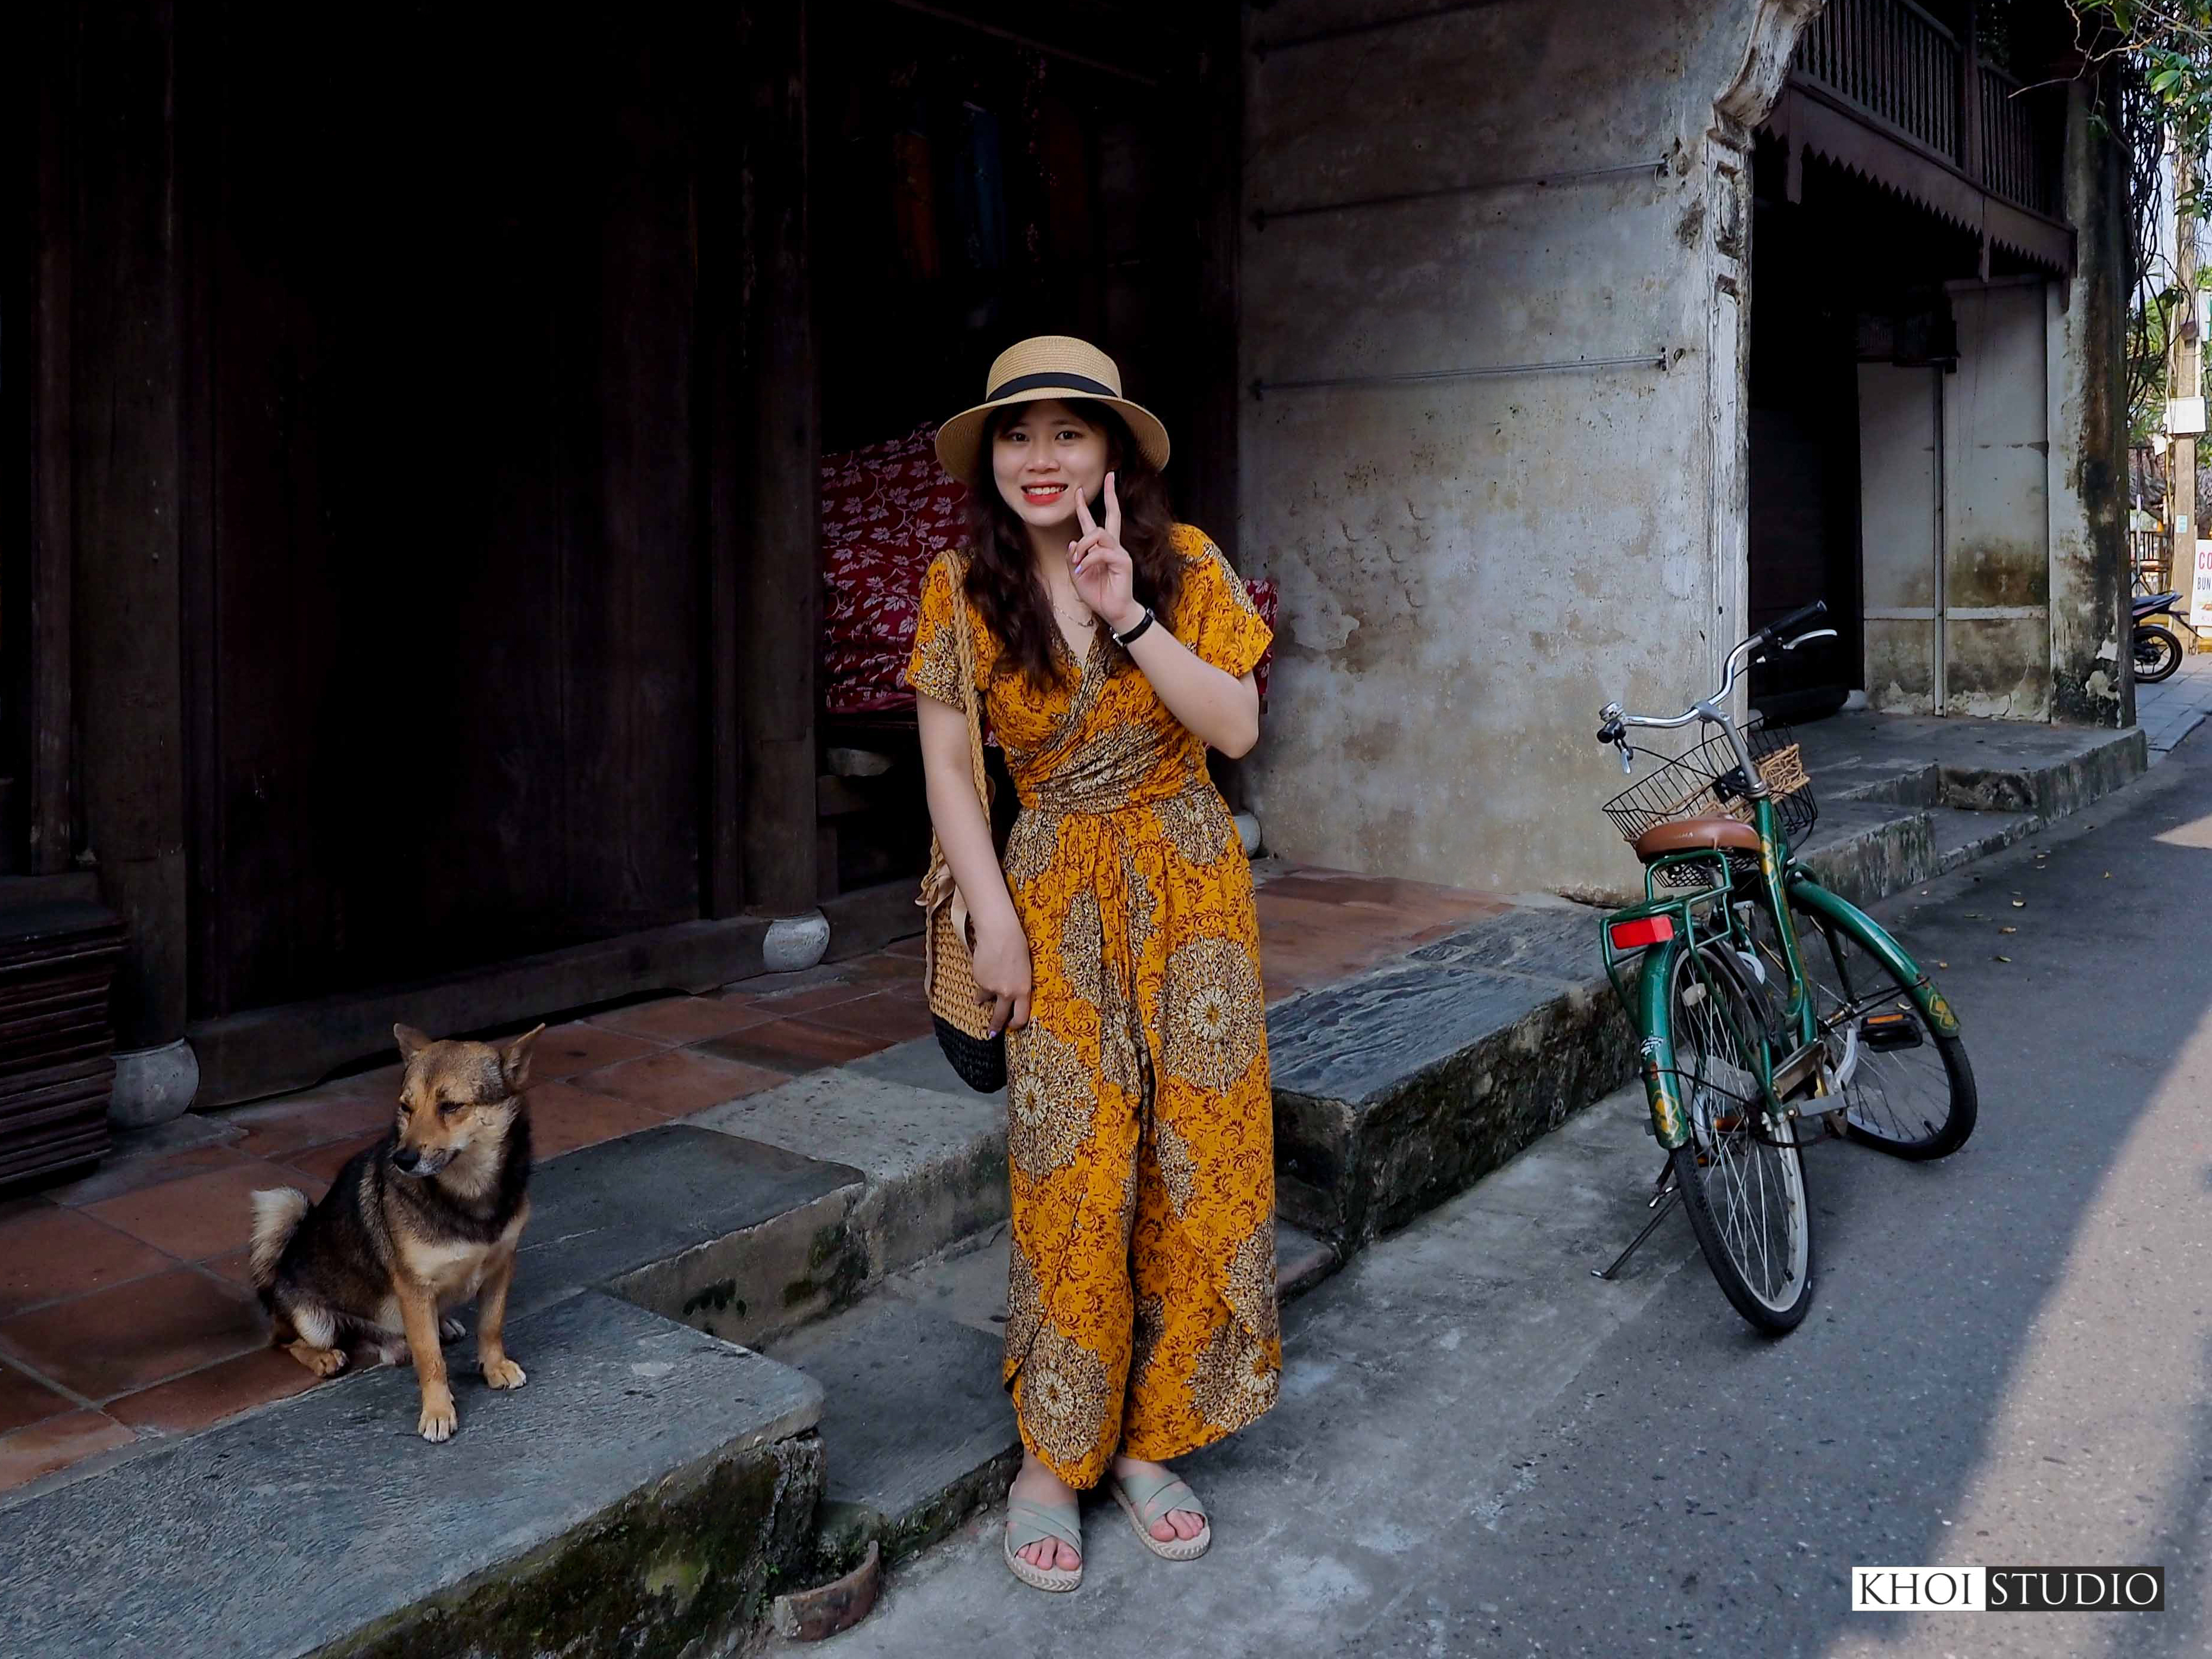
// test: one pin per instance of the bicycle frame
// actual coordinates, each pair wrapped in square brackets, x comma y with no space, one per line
[1783,887]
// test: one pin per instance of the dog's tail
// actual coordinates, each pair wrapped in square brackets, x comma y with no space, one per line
[277,1212]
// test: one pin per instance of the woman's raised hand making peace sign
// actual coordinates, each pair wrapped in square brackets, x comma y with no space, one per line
[1104,575]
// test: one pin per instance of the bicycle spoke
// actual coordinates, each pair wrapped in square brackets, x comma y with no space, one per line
[1900,1096]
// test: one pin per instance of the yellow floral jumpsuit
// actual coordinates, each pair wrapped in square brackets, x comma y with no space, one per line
[1140,1132]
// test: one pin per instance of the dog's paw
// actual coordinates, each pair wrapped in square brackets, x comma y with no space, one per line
[438,1421]
[323,1362]
[451,1329]
[505,1374]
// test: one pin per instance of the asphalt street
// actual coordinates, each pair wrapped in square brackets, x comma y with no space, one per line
[1483,1450]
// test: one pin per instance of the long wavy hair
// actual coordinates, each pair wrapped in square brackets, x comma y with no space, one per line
[1002,576]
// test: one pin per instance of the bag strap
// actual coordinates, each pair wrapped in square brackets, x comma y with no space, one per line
[937,884]
[964,646]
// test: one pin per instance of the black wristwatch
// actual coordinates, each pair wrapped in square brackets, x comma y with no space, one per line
[1136,630]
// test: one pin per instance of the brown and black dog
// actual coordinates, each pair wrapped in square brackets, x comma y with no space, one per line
[424,1220]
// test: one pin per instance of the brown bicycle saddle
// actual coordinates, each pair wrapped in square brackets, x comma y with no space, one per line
[1695,835]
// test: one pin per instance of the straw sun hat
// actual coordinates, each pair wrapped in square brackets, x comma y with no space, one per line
[1048,366]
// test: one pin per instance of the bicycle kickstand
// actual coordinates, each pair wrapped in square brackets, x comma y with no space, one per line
[1662,1201]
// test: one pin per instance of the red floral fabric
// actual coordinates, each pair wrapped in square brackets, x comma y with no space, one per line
[888,510]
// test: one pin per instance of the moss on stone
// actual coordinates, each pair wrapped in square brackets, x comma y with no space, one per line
[682,1567]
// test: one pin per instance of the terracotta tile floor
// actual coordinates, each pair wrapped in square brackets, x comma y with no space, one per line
[125,1313]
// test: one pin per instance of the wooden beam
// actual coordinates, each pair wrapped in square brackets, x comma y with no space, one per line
[124,482]
[722,427]
[49,719]
[779,606]
[867,919]
[266,1051]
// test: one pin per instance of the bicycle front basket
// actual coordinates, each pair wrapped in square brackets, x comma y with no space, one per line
[1704,781]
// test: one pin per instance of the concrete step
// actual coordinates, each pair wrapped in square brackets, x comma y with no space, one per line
[1962,836]
[1404,1083]
[930,1155]
[732,1236]
[1976,765]
[1864,850]
[641,1493]
[917,1431]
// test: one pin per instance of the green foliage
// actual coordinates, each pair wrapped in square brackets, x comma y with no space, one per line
[2165,46]
[2154,64]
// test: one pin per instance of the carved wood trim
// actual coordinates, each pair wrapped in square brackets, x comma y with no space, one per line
[1745,99]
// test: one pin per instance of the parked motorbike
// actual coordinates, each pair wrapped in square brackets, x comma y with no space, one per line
[2158,650]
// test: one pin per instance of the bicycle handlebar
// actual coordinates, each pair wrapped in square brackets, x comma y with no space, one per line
[1615,718]
[1792,623]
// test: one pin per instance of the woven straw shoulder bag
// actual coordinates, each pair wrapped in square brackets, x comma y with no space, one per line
[957,1006]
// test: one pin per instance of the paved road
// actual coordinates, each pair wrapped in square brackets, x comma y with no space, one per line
[1482,1449]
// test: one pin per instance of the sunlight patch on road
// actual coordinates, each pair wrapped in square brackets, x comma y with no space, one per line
[2095,1454]
[2196,834]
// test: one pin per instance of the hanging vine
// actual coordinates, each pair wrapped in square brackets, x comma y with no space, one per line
[2154,63]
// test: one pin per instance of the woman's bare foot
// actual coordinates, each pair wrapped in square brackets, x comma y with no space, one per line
[1176,1523]
[1039,1485]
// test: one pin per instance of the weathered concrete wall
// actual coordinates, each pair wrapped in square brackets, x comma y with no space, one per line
[2089,420]
[1900,518]
[1959,460]
[1996,513]
[1471,567]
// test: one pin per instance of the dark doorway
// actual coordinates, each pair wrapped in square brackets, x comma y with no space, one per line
[444,580]
[1804,483]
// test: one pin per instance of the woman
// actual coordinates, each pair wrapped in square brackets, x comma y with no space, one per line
[1112,647]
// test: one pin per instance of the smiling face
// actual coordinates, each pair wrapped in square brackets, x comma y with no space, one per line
[1041,456]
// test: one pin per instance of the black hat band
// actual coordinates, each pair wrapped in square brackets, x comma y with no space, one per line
[1053,381]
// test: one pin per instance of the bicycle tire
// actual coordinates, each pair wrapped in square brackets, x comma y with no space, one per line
[1710,1075]
[1962,1105]
[2164,655]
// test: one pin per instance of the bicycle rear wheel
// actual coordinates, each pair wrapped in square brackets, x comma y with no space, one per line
[1741,1177]
[1906,1088]
[2157,653]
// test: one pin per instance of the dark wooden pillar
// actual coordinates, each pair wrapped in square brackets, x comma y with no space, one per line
[126,478]
[774,489]
[48,719]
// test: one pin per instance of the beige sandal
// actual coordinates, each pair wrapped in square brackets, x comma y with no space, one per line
[1029,1523]
[1148,1499]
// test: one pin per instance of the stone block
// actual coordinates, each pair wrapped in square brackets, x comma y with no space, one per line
[935,1163]
[725,1234]
[918,1431]
[636,1498]
[1559,944]
[921,1063]
[1406,1084]
[1866,850]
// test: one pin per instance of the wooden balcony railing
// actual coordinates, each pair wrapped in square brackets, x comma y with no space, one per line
[2016,162]
[1891,61]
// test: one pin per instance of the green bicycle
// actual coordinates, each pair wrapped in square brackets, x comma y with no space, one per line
[1767,1005]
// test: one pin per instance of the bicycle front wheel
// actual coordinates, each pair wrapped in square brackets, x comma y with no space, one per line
[1905,1087]
[1741,1176]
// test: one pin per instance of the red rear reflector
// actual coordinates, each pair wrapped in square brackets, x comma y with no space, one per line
[1636,935]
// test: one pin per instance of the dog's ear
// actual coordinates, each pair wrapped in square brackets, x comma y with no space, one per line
[514,1060]
[412,1041]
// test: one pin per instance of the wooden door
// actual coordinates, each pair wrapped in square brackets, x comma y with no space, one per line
[447,667]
